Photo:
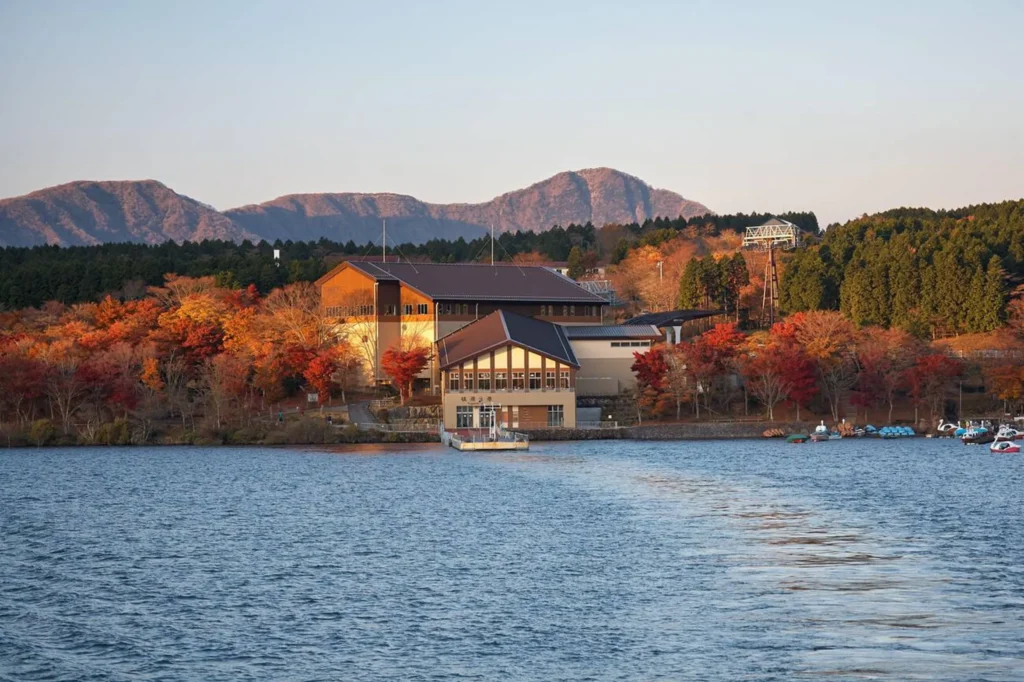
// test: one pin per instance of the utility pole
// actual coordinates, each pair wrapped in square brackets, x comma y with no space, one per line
[492,244]
[384,241]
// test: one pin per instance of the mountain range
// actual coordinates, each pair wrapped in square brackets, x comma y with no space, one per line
[147,211]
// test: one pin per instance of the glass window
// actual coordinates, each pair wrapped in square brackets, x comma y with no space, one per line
[515,416]
[453,381]
[565,311]
[500,381]
[483,381]
[518,381]
[464,417]
[391,310]
[407,309]
[549,379]
[556,415]
[486,417]
[572,311]
[564,377]
[467,381]
[421,309]
[534,381]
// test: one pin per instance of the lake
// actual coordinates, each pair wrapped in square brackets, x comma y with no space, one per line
[615,560]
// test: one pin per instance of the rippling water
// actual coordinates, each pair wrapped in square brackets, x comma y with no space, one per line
[742,560]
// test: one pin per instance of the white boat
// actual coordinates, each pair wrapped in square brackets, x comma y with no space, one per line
[1008,433]
[1004,447]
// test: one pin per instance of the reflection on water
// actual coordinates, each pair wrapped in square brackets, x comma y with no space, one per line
[746,560]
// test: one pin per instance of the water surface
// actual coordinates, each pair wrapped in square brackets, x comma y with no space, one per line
[743,560]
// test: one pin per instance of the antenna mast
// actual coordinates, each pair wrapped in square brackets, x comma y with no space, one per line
[774,234]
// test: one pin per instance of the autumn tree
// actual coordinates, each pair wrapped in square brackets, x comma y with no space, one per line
[402,365]
[828,339]
[929,380]
[650,369]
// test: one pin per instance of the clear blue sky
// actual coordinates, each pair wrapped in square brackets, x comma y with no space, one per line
[840,108]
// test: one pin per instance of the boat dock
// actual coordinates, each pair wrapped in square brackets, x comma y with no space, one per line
[479,440]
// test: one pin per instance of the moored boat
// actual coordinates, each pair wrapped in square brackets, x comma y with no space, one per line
[797,438]
[1008,433]
[978,435]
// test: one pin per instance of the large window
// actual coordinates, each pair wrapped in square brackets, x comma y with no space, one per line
[453,381]
[564,377]
[556,415]
[467,381]
[483,381]
[391,310]
[549,380]
[421,308]
[534,381]
[486,417]
[500,381]
[464,417]
[518,381]
[407,309]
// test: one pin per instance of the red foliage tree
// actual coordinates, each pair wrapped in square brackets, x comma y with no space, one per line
[319,373]
[403,366]
[929,380]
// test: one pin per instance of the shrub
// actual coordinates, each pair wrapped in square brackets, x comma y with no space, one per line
[41,432]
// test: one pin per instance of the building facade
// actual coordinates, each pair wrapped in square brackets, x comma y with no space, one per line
[379,305]
[517,371]
[605,354]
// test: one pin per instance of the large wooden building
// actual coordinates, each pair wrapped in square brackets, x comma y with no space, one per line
[383,304]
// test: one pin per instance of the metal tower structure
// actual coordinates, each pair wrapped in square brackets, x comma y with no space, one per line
[774,234]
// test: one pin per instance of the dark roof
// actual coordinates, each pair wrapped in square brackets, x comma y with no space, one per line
[500,328]
[772,222]
[613,331]
[672,318]
[479,282]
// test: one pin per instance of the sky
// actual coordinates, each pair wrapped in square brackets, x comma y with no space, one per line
[838,108]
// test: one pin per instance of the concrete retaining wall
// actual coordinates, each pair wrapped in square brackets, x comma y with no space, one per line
[710,430]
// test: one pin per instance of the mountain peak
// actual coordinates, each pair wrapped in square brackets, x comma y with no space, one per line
[91,212]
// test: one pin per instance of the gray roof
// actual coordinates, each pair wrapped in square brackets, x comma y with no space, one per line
[613,331]
[480,282]
[501,328]
[672,318]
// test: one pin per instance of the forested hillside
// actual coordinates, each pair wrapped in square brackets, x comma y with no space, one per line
[32,276]
[937,272]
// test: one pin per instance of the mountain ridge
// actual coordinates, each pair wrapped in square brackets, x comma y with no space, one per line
[91,212]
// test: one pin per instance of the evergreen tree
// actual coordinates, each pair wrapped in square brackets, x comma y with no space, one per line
[689,285]
[575,263]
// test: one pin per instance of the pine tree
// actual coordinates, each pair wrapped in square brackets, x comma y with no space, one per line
[689,285]
[575,263]
[993,306]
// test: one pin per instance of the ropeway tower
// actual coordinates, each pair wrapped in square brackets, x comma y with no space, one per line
[774,234]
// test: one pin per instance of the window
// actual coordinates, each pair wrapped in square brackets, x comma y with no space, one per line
[421,309]
[515,416]
[565,311]
[464,417]
[407,309]
[549,380]
[616,344]
[564,377]
[486,417]
[391,310]
[467,381]
[556,415]
[500,381]
[465,309]
[518,382]
[534,381]
[572,311]
[483,381]
[453,381]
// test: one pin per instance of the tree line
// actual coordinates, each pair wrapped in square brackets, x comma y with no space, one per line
[928,272]
[821,361]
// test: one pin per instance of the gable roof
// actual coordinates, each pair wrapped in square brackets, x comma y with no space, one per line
[612,331]
[500,328]
[477,282]
[672,318]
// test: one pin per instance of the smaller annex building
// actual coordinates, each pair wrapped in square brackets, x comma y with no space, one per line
[507,368]
[605,354]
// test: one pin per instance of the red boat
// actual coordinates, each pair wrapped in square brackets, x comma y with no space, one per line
[1005,447]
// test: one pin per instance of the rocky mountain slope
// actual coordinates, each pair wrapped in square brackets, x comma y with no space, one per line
[147,211]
